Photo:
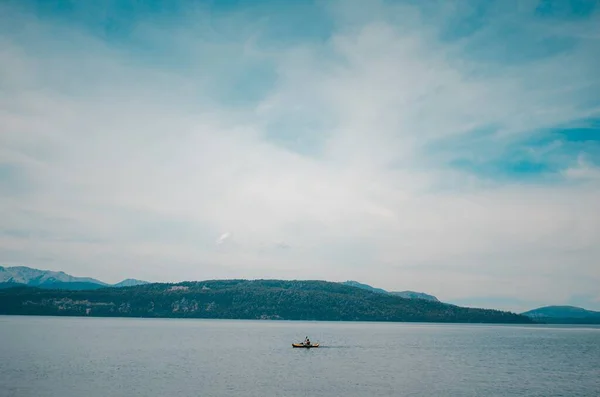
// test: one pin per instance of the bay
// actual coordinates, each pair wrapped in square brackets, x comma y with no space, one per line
[69,356]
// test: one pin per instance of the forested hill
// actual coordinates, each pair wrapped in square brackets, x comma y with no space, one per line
[564,315]
[243,299]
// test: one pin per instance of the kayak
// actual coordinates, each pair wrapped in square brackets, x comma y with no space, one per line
[305,346]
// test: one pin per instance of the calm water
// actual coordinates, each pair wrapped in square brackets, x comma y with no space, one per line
[42,356]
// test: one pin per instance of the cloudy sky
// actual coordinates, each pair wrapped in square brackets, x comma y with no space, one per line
[445,147]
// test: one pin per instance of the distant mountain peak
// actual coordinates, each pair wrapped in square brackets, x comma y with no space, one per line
[49,279]
[367,287]
[563,315]
[402,294]
[561,312]
[130,282]
[36,277]
[415,295]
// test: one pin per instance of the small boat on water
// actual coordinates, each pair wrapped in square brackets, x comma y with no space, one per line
[305,346]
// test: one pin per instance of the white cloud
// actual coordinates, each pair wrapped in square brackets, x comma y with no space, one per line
[583,170]
[129,164]
[222,238]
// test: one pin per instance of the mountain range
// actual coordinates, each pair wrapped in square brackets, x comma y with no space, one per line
[21,281]
[26,276]
[22,275]
[243,299]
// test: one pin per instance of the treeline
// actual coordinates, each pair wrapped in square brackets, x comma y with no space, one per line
[243,299]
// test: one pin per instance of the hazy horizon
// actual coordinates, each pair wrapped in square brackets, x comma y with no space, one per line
[446,147]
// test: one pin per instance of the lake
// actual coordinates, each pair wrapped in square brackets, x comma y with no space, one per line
[60,356]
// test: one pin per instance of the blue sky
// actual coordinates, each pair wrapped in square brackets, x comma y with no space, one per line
[445,147]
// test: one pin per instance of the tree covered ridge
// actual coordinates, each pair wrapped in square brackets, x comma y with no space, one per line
[243,299]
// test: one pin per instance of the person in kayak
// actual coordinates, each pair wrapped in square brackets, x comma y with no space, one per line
[307,341]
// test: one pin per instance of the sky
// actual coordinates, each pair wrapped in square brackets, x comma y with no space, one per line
[448,147]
